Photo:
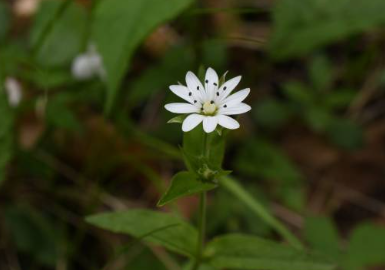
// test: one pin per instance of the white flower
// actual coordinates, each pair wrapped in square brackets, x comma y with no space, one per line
[14,92]
[211,104]
[88,65]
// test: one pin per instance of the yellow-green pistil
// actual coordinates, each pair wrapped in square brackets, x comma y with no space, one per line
[209,108]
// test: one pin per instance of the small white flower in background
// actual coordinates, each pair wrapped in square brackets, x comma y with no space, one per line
[88,65]
[14,91]
[211,104]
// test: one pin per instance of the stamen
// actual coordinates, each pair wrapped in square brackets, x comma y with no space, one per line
[195,101]
[224,88]
[225,106]
[207,81]
[197,87]
[212,102]
[190,94]
[215,84]
[217,94]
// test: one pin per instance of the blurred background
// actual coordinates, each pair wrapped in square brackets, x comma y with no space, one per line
[83,129]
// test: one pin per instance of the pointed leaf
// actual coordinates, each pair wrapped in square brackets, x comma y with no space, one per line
[155,227]
[184,184]
[237,251]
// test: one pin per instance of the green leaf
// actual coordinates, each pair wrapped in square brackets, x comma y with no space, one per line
[303,26]
[4,20]
[6,120]
[366,248]
[184,184]
[339,99]
[155,227]
[299,93]
[33,234]
[259,209]
[345,133]
[193,145]
[69,27]
[120,26]
[237,251]
[271,113]
[321,73]
[322,235]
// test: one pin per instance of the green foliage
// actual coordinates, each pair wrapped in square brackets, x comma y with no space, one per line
[365,246]
[323,236]
[155,227]
[120,26]
[34,234]
[6,120]
[4,20]
[238,251]
[69,27]
[271,113]
[184,184]
[303,26]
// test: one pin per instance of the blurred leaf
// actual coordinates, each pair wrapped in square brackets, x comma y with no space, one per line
[238,251]
[299,93]
[318,118]
[5,17]
[60,115]
[184,184]
[345,133]
[322,235]
[303,26]
[193,144]
[155,227]
[271,113]
[366,248]
[117,43]
[33,234]
[339,99]
[260,158]
[145,260]
[214,54]
[159,77]
[6,120]
[66,38]
[259,209]
[321,73]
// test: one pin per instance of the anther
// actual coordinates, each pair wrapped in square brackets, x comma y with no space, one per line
[218,94]
[197,87]
[207,81]
[224,88]
[225,106]
[212,102]
[195,101]
[215,84]
[190,94]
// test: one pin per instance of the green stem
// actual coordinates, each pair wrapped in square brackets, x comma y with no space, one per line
[202,213]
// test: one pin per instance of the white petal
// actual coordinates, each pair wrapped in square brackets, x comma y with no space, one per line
[191,122]
[226,89]
[181,108]
[14,91]
[82,67]
[211,83]
[236,98]
[210,123]
[227,122]
[182,92]
[238,109]
[195,86]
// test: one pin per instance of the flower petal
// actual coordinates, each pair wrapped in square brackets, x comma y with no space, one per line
[210,123]
[211,83]
[191,122]
[236,98]
[227,122]
[226,89]
[195,86]
[182,92]
[181,108]
[237,109]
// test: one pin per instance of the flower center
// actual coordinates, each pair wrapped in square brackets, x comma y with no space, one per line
[209,108]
